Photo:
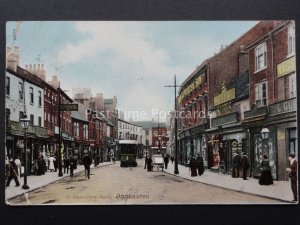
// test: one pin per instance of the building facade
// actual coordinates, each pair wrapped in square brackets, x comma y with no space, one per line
[272,89]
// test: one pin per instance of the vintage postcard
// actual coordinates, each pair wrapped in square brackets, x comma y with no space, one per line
[144,112]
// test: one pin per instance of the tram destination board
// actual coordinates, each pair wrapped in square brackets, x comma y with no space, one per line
[68,107]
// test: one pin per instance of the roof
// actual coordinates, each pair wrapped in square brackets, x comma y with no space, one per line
[132,123]
[29,77]
[108,101]
[78,116]
[200,69]
[148,124]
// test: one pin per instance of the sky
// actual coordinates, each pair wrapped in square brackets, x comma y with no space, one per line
[130,60]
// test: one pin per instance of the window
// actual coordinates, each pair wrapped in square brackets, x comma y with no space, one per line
[40,121]
[31,119]
[21,91]
[7,85]
[31,95]
[293,141]
[97,125]
[76,129]
[261,91]
[7,117]
[21,115]
[291,39]
[85,131]
[260,57]
[40,98]
[292,86]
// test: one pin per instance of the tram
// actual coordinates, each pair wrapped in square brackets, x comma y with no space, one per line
[128,152]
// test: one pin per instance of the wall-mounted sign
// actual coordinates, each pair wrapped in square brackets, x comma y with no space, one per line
[286,67]
[225,96]
[280,135]
[283,107]
[190,88]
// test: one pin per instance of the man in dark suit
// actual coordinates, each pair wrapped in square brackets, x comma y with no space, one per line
[87,161]
[245,164]
[236,163]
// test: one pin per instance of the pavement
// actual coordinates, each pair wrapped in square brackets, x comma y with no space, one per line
[34,182]
[280,190]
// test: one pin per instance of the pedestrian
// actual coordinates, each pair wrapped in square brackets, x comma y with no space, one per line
[39,166]
[236,163]
[12,173]
[193,166]
[72,165]
[293,174]
[87,161]
[52,162]
[44,166]
[66,165]
[166,161]
[266,176]
[200,164]
[55,163]
[149,164]
[245,164]
[18,163]
[172,159]
[145,161]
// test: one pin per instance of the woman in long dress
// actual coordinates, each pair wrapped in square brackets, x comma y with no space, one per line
[51,160]
[266,176]
[193,166]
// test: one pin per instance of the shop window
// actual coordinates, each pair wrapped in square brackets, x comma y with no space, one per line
[7,86]
[261,91]
[293,141]
[260,57]
[291,40]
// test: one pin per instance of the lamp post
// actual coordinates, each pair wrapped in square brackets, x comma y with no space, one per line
[265,136]
[175,126]
[25,124]
[159,145]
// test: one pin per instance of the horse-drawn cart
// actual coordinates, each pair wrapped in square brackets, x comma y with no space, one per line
[158,162]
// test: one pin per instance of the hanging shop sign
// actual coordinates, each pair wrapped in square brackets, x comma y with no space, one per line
[225,96]
[190,88]
[286,67]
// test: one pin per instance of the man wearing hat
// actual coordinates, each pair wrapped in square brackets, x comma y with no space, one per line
[86,161]
[245,164]
[293,174]
[12,173]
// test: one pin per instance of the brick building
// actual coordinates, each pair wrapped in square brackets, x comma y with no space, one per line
[272,95]
[159,140]
[212,101]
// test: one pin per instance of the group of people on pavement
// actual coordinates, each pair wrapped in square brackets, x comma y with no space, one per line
[196,165]
[149,162]
[240,163]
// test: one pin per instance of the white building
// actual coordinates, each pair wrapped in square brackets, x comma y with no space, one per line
[24,97]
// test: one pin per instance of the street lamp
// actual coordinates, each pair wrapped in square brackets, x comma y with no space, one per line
[265,133]
[25,124]
[265,136]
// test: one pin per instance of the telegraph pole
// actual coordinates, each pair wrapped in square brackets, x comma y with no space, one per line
[175,125]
